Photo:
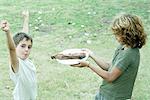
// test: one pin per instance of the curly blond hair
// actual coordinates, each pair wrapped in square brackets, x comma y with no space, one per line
[130,29]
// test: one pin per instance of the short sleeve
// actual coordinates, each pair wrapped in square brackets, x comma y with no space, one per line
[124,60]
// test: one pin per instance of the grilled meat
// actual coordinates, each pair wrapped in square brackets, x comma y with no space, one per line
[69,56]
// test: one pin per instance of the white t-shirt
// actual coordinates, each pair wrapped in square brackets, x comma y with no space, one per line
[25,81]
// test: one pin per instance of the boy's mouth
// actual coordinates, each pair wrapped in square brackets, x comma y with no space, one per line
[25,55]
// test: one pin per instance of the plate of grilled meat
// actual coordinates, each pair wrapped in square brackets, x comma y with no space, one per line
[71,56]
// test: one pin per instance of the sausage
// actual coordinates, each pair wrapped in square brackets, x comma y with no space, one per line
[69,56]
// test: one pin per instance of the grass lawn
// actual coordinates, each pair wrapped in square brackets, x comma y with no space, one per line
[62,24]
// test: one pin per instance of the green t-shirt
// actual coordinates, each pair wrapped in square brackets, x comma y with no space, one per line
[127,60]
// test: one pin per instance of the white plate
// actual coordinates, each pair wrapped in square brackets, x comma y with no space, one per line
[72,61]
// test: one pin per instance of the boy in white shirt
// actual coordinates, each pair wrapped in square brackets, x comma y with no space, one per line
[22,70]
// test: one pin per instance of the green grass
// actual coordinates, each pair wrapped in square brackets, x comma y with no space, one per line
[67,24]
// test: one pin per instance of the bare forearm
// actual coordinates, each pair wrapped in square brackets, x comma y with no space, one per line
[109,76]
[11,46]
[12,51]
[26,25]
[100,62]
[10,42]
[102,73]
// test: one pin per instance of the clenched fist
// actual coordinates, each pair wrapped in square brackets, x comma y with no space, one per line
[4,25]
[25,13]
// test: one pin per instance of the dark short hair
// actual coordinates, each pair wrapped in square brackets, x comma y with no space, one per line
[20,36]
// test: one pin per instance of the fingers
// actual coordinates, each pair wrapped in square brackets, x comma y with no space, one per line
[76,65]
[81,64]
[86,50]
[84,63]
[90,53]
[4,21]
[25,13]
[4,25]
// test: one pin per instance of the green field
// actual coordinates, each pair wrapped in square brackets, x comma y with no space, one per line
[57,25]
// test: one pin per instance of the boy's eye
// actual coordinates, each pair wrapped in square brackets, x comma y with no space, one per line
[23,46]
[29,47]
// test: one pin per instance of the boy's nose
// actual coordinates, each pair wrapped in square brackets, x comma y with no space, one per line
[26,48]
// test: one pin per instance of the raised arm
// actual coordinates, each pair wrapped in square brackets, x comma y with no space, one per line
[11,46]
[25,22]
